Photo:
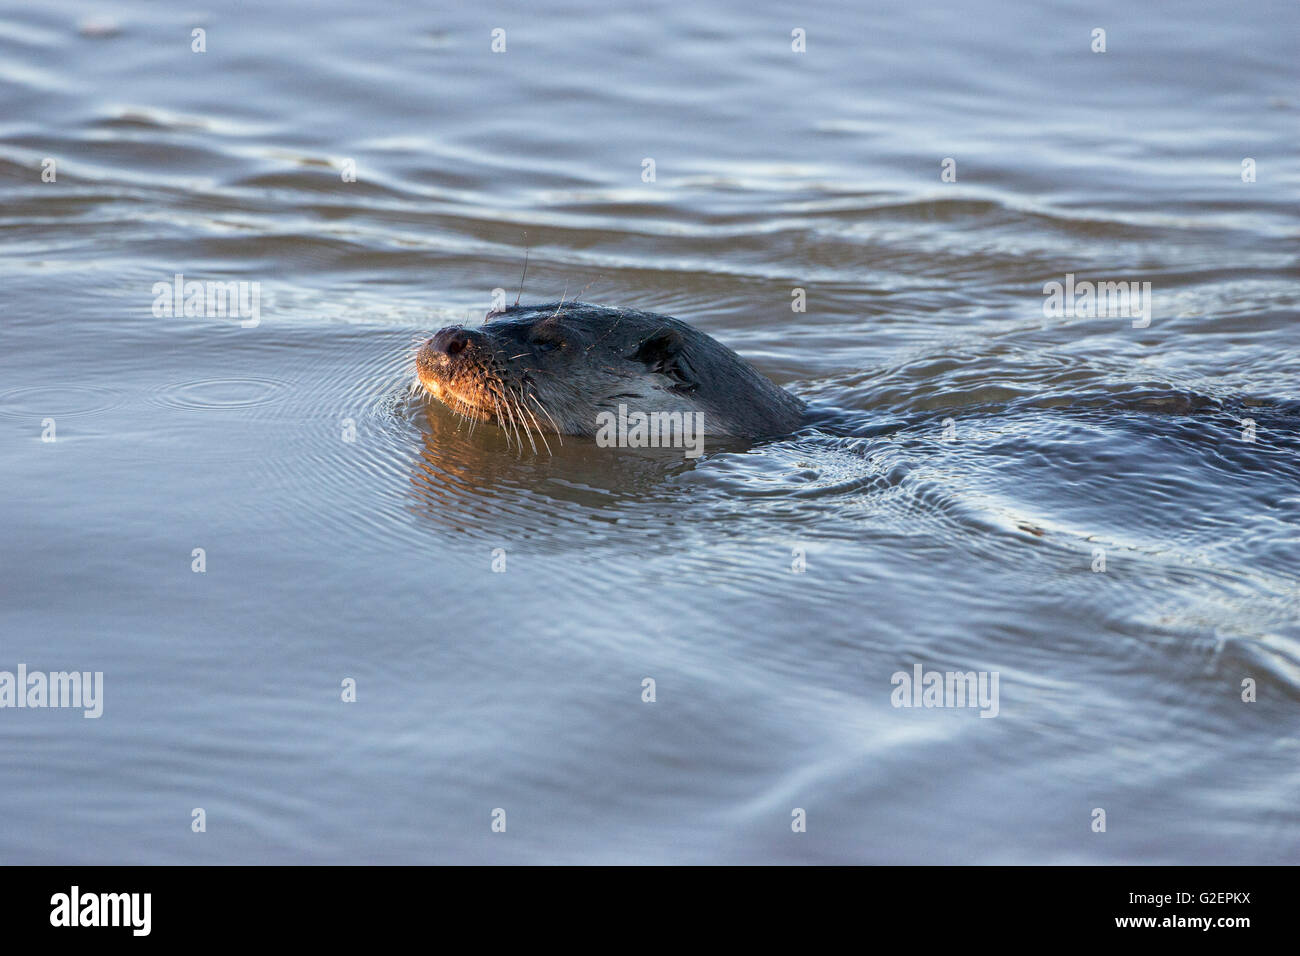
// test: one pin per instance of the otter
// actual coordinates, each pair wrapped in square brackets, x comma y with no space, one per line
[556,368]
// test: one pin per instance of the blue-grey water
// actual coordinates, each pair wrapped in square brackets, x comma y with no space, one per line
[1103,515]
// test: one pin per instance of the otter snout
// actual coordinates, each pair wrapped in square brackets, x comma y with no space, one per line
[450,356]
[437,355]
[449,342]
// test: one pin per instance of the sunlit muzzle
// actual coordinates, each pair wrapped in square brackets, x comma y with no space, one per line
[437,359]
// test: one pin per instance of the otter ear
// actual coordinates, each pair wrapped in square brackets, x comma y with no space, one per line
[663,352]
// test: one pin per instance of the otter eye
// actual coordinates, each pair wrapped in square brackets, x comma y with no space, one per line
[546,342]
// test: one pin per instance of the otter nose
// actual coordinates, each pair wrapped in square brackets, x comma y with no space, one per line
[450,341]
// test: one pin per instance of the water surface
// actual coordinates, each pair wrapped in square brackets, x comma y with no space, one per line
[970,459]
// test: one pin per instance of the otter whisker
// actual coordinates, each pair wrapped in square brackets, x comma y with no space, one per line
[460,412]
[527,430]
[562,298]
[497,412]
[558,434]
[525,408]
[500,390]
[525,273]
[500,420]
[506,403]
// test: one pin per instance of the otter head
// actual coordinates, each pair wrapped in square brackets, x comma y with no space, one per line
[557,367]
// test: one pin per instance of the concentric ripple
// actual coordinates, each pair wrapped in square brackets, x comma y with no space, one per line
[58,401]
[221,393]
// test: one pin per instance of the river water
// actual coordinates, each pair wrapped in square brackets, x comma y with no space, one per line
[1098,510]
